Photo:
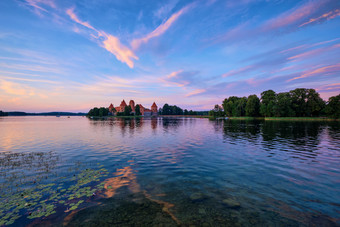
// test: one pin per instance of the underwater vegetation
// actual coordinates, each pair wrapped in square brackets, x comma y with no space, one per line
[18,199]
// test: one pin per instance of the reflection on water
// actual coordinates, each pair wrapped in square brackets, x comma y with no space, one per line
[168,171]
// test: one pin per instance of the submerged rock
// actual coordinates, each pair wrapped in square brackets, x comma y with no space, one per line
[197,196]
[231,203]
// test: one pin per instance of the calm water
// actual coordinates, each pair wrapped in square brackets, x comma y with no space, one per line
[168,171]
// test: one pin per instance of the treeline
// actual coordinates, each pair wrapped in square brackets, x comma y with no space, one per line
[300,102]
[128,111]
[98,112]
[175,110]
[103,112]
[3,113]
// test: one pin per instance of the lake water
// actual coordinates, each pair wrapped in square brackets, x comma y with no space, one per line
[168,171]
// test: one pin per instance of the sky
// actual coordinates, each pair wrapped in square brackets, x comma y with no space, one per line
[63,55]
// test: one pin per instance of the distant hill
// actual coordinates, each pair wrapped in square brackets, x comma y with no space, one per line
[18,113]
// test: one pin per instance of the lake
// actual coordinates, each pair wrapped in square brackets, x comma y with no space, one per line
[168,172]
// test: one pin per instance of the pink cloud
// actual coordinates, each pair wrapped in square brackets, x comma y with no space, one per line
[74,17]
[122,53]
[36,4]
[195,92]
[314,52]
[292,17]
[111,43]
[328,90]
[318,71]
[161,29]
[16,88]
[240,70]
[326,16]
[176,78]
[289,20]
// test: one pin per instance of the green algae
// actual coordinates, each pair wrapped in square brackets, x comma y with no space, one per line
[41,200]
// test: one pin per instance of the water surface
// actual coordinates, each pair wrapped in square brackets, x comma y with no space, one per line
[168,171]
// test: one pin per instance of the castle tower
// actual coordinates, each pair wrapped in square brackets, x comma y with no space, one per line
[141,109]
[122,106]
[132,105]
[154,108]
[111,108]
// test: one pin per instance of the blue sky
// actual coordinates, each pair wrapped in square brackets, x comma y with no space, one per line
[61,55]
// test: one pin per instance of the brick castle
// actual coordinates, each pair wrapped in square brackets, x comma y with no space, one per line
[144,111]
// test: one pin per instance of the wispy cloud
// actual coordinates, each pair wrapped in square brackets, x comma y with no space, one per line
[39,5]
[293,16]
[165,9]
[328,90]
[31,67]
[238,71]
[326,16]
[325,70]
[29,80]
[161,29]
[122,53]
[195,92]
[181,78]
[107,41]
[13,88]
[309,13]
[74,17]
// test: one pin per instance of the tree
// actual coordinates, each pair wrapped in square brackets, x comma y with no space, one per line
[166,109]
[98,112]
[314,104]
[253,106]
[127,111]
[137,110]
[228,107]
[239,107]
[283,106]
[3,113]
[171,110]
[216,112]
[299,98]
[103,112]
[186,112]
[268,99]
[333,107]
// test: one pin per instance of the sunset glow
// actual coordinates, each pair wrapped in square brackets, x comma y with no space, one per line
[74,55]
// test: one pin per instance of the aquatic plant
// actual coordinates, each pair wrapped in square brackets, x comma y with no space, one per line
[41,200]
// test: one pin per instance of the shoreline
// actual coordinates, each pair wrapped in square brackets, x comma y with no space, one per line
[231,118]
[285,118]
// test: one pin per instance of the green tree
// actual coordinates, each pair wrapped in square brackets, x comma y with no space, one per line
[283,106]
[98,112]
[333,107]
[166,109]
[268,99]
[228,107]
[299,104]
[103,112]
[216,112]
[127,111]
[186,112]
[314,104]
[137,110]
[253,106]
[239,107]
